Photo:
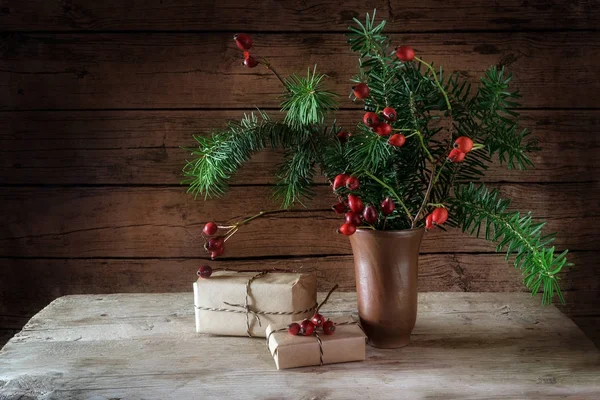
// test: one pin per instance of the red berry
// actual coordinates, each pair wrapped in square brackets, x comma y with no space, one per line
[370,214]
[353,218]
[397,140]
[361,91]
[390,114]
[387,206]
[339,181]
[204,271]
[243,41]
[343,136]
[347,229]
[352,183]
[215,243]
[294,328]
[463,144]
[339,208]
[217,253]
[456,155]
[429,222]
[250,62]
[307,327]
[439,215]
[355,203]
[370,119]
[328,327]
[318,320]
[210,228]
[405,53]
[383,129]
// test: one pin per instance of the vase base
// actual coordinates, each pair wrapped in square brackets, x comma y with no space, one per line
[393,343]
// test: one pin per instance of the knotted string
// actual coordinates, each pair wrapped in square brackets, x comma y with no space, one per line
[245,308]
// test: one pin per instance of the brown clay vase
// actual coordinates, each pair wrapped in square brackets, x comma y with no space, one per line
[386,266]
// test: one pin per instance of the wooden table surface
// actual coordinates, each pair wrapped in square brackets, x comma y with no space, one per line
[143,346]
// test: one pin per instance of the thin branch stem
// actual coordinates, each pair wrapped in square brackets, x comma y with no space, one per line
[326,298]
[268,66]
[425,198]
[398,198]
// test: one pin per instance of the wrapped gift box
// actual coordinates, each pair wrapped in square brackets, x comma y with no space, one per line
[273,298]
[348,343]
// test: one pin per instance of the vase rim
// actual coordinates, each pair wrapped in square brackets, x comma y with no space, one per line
[398,232]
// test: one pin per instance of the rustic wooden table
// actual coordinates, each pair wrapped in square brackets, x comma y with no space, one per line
[134,346]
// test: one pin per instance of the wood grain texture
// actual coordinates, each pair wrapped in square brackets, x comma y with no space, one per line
[157,70]
[144,147]
[167,222]
[295,15]
[468,346]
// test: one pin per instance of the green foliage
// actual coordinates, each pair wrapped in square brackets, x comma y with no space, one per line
[475,208]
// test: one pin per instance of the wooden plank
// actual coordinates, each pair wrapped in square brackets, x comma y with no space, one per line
[428,15]
[144,147]
[156,70]
[479,345]
[167,222]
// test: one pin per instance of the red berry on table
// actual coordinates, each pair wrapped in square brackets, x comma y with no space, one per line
[204,272]
[294,328]
[318,320]
[307,327]
[343,136]
[361,91]
[456,155]
[347,229]
[397,140]
[339,208]
[250,62]
[352,183]
[389,114]
[405,53]
[210,228]
[353,218]
[243,41]
[383,129]
[370,214]
[340,181]
[439,215]
[217,253]
[370,119]
[429,222]
[215,243]
[463,144]
[328,327]
[355,203]
[387,206]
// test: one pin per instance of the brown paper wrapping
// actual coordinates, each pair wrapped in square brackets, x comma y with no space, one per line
[273,292]
[348,343]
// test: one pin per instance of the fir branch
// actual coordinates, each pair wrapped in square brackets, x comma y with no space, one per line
[295,176]
[477,207]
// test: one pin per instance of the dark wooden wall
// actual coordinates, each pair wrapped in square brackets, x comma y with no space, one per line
[97,96]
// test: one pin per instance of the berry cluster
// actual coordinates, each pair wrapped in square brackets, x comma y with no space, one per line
[215,245]
[309,326]
[462,146]
[244,43]
[437,217]
[356,212]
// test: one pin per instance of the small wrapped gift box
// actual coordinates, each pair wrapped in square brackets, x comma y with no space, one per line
[348,343]
[244,303]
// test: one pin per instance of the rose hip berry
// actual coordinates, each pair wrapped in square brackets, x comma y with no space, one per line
[361,91]
[343,136]
[355,203]
[370,119]
[340,181]
[383,129]
[328,327]
[352,183]
[370,214]
[217,253]
[339,208]
[405,53]
[389,114]
[463,144]
[215,243]
[204,272]
[429,222]
[210,228]
[307,328]
[318,320]
[243,41]
[456,155]
[353,218]
[397,140]
[294,328]
[439,215]
[250,62]
[387,206]
[347,229]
